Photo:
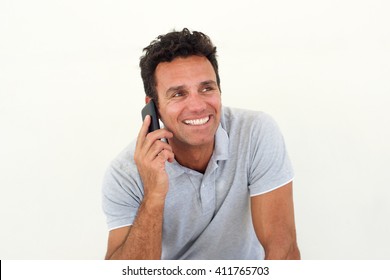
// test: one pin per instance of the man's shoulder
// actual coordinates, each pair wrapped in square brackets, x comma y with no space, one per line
[125,159]
[234,118]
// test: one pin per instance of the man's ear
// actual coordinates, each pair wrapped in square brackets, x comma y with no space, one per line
[147,99]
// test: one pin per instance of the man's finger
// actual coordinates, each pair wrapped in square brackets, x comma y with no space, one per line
[143,131]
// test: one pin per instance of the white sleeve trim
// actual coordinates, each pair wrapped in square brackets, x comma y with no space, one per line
[270,190]
[121,226]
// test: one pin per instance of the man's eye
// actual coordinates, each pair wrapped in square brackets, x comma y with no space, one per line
[177,94]
[207,89]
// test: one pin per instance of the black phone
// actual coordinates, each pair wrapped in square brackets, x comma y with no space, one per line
[151,110]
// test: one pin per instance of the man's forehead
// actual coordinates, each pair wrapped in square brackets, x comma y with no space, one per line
[186,69]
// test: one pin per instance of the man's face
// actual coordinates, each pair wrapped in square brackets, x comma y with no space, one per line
[189,100]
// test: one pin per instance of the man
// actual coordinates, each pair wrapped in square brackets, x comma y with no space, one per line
[214,183]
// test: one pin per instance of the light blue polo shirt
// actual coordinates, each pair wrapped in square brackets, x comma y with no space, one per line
[207,216]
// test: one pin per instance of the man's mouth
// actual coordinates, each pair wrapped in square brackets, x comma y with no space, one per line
[197,121]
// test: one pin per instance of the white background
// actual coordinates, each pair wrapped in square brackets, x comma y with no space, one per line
[71,95]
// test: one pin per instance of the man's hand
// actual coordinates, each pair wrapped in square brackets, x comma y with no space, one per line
[150,156]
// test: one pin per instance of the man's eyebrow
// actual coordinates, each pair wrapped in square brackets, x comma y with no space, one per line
[208,82]
[182,87]
[174,89]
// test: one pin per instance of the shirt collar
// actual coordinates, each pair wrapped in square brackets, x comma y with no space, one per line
[221,149]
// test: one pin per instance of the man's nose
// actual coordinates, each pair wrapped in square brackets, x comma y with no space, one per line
[195,102]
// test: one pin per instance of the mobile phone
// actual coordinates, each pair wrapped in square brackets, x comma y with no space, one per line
[151,110]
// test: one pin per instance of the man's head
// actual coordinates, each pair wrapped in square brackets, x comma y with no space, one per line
[180,74]
[170,46]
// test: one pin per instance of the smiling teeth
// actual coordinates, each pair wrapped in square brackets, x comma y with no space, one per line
[197,122]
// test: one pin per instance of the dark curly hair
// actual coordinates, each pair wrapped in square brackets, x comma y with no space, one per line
[170,46]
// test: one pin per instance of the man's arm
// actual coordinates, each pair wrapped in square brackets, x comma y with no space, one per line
[143,240]
[273,220]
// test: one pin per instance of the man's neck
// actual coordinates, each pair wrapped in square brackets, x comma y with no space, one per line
[195,158]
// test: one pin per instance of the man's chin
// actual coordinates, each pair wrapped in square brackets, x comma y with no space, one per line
[192,142]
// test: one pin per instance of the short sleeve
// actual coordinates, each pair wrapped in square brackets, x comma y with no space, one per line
[270,166]
[122,193]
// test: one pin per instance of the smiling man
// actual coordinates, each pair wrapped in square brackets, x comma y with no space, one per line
[213,183]
[190,107]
